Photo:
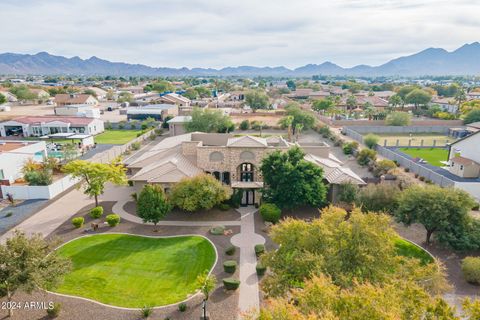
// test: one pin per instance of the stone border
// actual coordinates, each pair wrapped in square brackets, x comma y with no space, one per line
[137,235]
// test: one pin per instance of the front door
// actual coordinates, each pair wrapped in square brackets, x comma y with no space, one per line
[248,197]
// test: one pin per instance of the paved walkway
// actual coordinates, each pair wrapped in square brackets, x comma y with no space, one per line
[246,240]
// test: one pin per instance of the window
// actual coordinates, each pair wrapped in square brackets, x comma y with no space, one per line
[246,172]
[461,167]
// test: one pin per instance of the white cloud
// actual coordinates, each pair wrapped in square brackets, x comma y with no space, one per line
[215,33]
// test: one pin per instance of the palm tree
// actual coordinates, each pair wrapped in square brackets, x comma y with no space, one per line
[369,110]
[298,128]
[287,123]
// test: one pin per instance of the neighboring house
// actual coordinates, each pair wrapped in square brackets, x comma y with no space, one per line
[156,111]
[65,99]
[235,161]
[41,94]
[236,96]
[377,102]
[463,167]
[173,98]
[464,156]
[13,155]
[473,96]
[36,126]
[132,90]
[78,110]
[447,104]
[176,126]
[100,93]
[385,95]
[10,96]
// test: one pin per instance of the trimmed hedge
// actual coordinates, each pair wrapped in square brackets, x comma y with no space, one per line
[230,251]
[270,212]
[218,230]
[54,311]
[230,266]
[224,206]
[182,307]
[259,249]
[78,222]
[471,269]
[96,212]
[260,269]
[231,283]
[112,219]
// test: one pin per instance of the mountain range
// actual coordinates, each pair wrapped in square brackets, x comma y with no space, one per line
[433,61]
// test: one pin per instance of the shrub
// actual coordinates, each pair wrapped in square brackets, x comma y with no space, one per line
[231,283]
[378,198]
[54,311]
[230,251]
[182,307]
[259,249]
[96,212]
[350,147]
[130,183]
[270,212]
[159,131]
[366,156]
[218,230]
[112,220]
[416,175]
[136,145]
[121,125]
[474,208]
[407,169]
[146,312]
[236,198]
[230,266]
[347,192]
[224,206]
[134,196]
[383,167]
[261,268]
[421,178]
[398,119]
[471,269]
[371,140]
[8,214]
[78,222]
[244,125]
[152,137]
[38,178]
[325,131]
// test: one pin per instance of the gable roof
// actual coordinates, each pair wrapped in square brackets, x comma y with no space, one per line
[463,161]
[333,170]
[247,141]
[72,98]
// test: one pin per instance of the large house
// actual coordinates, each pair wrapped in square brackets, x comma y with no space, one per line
[36,126]
[234,161]
[173,98]
[65,99]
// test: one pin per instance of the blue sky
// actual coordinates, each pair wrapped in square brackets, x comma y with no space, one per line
[216,33]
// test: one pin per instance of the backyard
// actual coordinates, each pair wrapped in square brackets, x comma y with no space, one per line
[134,271]
[433,156]
[116,136]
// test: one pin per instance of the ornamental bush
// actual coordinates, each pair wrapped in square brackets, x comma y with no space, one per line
[231,283]
[261,268]
[112,220]
[259,249]
[78,222]
[230,266]
[244,125]
[371,140]
[270,212]
[471,269]
[182,307]
[230,251]
[366,156]
[54,311]
[218,230]
[350,147]
[96,212]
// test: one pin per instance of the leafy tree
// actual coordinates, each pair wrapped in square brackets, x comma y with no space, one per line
[90,92]
[468,106]
[405,90]
[95,175]
[209,120]
[200,192]
[351,102]
[244,125]
[191,94]
[125,97]
[347,192]
[323,105]
[290,181]
[472,116]
[371,140]
[300,117]
[378,198]
[206,283]
[434,207]
[2,99]
[28,263]
[22,92]
[152,204]
[396,101]
[291,85]
[159,86]
[418,97]
[257,99]
[398,119]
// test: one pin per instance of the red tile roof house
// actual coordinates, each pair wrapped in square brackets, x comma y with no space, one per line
[44,125]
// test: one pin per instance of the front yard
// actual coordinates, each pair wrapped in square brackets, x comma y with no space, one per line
[134,271]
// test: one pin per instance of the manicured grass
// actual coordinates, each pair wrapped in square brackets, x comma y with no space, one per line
[134,271]
[406,249]
[432,155]
[116,136]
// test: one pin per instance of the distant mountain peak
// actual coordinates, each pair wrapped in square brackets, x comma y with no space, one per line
[432,61]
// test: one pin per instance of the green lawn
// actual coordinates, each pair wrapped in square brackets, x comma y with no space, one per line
[415,139]
[116,136]
[432,155]
[134,271]
[406,249]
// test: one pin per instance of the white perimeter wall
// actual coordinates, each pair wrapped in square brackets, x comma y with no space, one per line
[40,192]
